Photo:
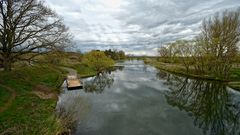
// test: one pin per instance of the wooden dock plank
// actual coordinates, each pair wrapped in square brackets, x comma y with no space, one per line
[73,82]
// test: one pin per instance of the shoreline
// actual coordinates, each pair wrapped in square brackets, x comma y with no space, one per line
[234,84]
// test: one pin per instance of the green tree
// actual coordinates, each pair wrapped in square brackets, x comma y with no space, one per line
[97,60]
[122,55]
[115,55]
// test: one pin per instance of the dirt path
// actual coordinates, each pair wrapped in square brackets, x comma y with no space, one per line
[70,71]
[10,100]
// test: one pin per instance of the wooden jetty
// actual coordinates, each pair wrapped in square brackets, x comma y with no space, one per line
[73,82]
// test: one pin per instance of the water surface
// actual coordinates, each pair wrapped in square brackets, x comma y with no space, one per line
[141,100]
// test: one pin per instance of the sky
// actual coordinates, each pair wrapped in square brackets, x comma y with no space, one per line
[137,27]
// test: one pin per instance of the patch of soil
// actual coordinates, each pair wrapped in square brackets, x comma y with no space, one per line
[44,92]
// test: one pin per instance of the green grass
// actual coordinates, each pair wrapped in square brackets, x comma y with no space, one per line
[4,96]
[235,74]
[84,70]
[28,114]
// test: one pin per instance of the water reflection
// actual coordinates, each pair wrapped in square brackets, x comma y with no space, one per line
[139,104]
[98,83]
[71,109]
[212,105]
[117,67]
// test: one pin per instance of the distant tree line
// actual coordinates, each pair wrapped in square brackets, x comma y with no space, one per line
[213,51]
[115,55]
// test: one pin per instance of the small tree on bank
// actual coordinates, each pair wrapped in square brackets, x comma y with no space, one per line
[28,28]
[185,52]
[97,60]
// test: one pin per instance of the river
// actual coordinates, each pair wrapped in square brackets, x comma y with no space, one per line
[138,99]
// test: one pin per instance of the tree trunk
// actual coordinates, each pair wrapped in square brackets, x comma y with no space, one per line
[7,64]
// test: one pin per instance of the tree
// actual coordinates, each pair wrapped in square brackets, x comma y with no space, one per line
[218,41]
[163,51]
[122,55]
[185,51]
[97,60]
[29,28]
[169,52]
[115,55]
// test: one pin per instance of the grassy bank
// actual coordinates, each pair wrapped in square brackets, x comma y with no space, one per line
[4,95]
[177,68]
[83,70]
[30,112]
[86,65]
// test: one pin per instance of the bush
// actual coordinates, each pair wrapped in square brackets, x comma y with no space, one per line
[97,60]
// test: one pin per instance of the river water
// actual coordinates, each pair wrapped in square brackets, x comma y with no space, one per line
[138,99]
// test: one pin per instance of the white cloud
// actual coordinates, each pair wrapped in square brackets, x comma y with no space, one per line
[135,26]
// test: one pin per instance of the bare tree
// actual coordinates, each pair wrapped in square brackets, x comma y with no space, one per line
[168,52]
[28,28]
[185,51]
[218,41]
[163,51]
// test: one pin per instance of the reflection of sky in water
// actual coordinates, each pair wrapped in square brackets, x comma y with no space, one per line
[117,90]
[136,104]
[129,85]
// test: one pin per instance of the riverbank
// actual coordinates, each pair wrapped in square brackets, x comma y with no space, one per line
[178,69]
[83,70]
[28,94]
[32,111]
[36,88]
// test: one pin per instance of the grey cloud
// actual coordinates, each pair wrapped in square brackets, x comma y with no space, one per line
[137,26]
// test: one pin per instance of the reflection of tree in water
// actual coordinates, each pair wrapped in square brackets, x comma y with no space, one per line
[114,68]
[71,109]
[99,83]
[120,68]
[162,75]
[210,103]
[166,76]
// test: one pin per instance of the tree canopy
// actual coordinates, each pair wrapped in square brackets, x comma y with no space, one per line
[115,55]
[29,28]
[97,60]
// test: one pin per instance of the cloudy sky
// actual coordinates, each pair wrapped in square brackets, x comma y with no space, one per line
[138,27]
